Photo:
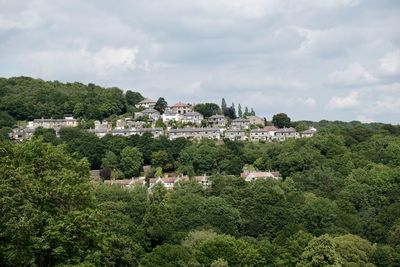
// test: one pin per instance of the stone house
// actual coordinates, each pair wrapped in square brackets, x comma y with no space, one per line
[286,133]
[308,133]
[151,113]
[255,120]
[260,135]
[195,133]
[182,108]
[146,103]
[236,134]
[156,132]
[252,176]
[240,123]
[217,121]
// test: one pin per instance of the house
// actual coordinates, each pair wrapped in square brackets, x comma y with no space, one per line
[99,132]
[285,133]
[195,133]
[146,103]
[203,180]
[127,182]
[156,132]
[235,134]
[271,130]
[170,115]
[21,134]
[217,121]
[56,124]
[167,182]
[101,128]
[252,176]
[308,133]
[151,113]
[255,120]
[240,123]
[192,117]
[181,108]
[260,135]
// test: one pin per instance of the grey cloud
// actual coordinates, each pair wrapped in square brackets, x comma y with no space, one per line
[275,56]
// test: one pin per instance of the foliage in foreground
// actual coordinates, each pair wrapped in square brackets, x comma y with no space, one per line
[337,206]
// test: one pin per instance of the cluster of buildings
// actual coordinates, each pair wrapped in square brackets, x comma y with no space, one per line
[25,133]
[191,125]
[204,180]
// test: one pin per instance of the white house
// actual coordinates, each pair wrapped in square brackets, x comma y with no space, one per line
[170,115]
[192,117]
[146,103]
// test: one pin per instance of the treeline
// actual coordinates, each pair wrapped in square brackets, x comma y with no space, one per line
[25,98]
[338,205]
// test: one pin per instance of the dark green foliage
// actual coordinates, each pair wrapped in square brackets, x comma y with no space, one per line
[281,120]
[6,120]
[207,109]
[25,99]
[161,105]
[132,98]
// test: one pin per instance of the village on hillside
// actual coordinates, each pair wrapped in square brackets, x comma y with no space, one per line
[177,121]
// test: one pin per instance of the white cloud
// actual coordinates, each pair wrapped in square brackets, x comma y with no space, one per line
[354,74]
[345,102]
[390,63]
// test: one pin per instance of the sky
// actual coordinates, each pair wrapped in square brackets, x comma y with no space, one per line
[312,59]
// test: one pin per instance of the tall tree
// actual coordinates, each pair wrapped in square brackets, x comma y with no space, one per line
[132,98]
[281,120]
[223,106]
[207,109]
[252,112]
[131,161]
[240,113]
[161,105]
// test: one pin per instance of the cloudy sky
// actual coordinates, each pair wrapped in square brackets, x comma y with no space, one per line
[313,59]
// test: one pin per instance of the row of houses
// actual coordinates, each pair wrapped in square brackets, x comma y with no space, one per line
[204,180]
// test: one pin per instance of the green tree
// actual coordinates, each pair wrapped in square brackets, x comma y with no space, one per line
[132,98]
[6,120]
[110,160]
[162,159]
[161,105]
[207,109]
[223,106]
[131,161]
[240,113]
[42,188]
[281,120]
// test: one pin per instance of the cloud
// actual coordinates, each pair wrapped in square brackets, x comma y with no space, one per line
[390,63]
[345,102]
[272,55]
[354,74]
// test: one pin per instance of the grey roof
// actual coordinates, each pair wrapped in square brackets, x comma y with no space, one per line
[170,112]
[150,110]
[194,130]
[137,130]
[241,120]
[217,116]
[309,131]
[259,131]
[146,101]
[234,131]
[192,113]
[286,130]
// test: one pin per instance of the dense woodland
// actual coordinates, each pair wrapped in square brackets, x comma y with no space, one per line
[337,205]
